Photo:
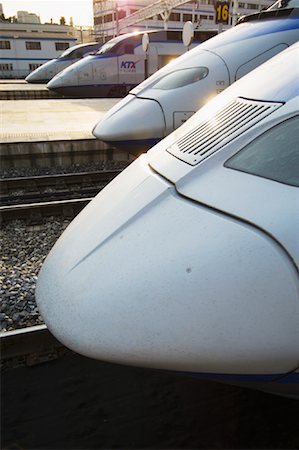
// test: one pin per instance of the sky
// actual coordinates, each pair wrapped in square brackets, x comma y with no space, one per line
[80,10]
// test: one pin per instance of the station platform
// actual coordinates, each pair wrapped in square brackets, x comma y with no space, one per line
[21,90]
[51,132]
[55,119]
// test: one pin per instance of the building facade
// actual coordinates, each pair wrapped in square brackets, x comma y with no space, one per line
[25,46]
[110,15]
[27,17]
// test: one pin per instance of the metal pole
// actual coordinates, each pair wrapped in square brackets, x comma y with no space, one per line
[235,11]
[145,66]
[116,18]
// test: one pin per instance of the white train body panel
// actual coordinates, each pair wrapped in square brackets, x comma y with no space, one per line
[189,259]
[118,67]
[226,58]
[47,71]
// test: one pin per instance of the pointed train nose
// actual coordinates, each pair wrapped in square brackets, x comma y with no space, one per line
[145,277]
[43,73]
[56,82]
[133,121]
[38,75]
[30,78]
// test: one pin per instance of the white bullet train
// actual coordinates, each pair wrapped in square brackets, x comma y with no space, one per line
[167,99]
[120,64]
[189,259]
[47,71]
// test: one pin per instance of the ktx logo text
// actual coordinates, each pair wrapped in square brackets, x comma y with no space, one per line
[131,65]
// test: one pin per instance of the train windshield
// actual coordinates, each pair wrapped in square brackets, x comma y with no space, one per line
[284,4]
[181,78]
[111,46]
[68,51]
[273,155]
[79,51]
[120,45]
[106,48]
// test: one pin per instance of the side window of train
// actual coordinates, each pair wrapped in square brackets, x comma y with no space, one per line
[181,78]
[259,59]
[273,155]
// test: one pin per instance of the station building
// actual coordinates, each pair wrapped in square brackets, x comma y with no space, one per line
[25,46]
[112,17]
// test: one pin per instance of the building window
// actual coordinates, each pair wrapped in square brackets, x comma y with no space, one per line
[108,18]
[175,17]
[61,45]
[187,17]
[34,66]
[6,67]
[4,45]
[121,14]
[33,45]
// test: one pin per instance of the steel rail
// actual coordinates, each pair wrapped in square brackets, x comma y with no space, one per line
[29,346]
[34,213]
[6,184]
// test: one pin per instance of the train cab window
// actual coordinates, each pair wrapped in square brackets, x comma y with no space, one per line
[120,46]
[67,52]
[282,4]
[129,49]
[79,53]
[273,155]
[107,48]
[181,78]
[76,52]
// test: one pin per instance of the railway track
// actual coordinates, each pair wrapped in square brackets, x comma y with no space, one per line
[34,213]
[29,346]
[57,187]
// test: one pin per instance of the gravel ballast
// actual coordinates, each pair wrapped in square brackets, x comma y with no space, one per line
[74,168]
[23,250]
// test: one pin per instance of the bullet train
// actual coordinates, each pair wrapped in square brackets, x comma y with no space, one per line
[120,65]
[167,99]
[47,71]
[189,260]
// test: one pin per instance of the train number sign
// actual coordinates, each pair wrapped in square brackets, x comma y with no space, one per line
[221,12]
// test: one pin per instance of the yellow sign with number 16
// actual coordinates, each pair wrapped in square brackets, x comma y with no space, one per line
[222,12]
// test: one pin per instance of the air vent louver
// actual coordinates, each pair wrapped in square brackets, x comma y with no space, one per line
[210,135]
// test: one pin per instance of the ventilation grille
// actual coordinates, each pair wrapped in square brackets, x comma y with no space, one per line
[210,135]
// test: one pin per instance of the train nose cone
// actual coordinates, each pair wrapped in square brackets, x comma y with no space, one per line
[37,76]
[134,121]
[30,78]
[55,83]
[145,277]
